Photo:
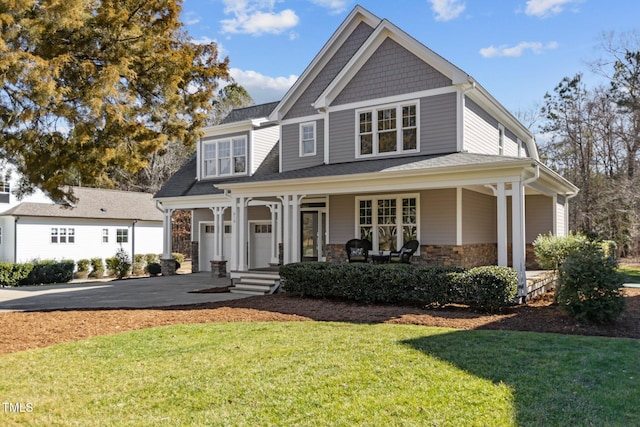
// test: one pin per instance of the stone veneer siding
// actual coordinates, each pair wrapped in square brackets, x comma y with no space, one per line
[467,256]
[195,257]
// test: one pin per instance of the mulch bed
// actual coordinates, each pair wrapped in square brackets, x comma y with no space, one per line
[28,330]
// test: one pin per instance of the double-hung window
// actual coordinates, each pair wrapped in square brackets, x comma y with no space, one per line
[390,129]
[308,139]
[225,157]
[388,222]
[63,235]
[122,235]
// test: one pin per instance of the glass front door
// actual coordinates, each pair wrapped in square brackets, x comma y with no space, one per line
[310,235]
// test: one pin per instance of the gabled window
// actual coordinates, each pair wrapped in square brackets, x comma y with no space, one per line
[225,157]
[308,139]
[390,129]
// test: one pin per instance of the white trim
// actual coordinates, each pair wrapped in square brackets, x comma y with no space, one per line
[394,99]
[325,140]
[501,136]
[216,143]
[459,216]
[375,131]
[301,119]
[301,139]
[387,30]
[357,15]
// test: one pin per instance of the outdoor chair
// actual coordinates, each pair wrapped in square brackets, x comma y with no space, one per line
[405,253]
[358,250]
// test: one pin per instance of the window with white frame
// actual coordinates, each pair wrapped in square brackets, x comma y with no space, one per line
[4,186]
[105,235]
[63,235]
[308,139]
[225,157]
[122,235]
[388,222]
[391,129]
[500,140]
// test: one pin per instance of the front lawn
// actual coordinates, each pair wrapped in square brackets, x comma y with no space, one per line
[632,274]
[310,373]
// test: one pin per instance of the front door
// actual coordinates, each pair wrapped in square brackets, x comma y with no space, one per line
[312,235]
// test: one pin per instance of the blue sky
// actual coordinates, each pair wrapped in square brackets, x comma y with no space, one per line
[516,49]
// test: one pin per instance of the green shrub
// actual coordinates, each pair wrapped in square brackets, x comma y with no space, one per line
[49,271]
[154,268]
[119,265]
[178,257]
[551,250]
[83,265]
[151,258]
[139,264]
[97,268]
[590,285]
[487,288]
[13,274]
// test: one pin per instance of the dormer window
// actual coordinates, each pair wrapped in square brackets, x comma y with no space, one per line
[224,157]
[390,129]
[308,139]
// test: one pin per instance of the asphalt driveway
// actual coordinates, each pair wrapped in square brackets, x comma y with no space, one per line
[159,291]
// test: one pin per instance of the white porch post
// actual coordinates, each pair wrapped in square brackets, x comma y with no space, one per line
[238,256]
[218,226]
[295,228]
[502,224]
[275,232]
[518,240]
[167,243]
[286,229]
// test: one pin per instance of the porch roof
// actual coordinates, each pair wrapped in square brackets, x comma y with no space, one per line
[451,162]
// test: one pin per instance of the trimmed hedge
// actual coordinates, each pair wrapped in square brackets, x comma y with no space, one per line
[36,273]
[487,288]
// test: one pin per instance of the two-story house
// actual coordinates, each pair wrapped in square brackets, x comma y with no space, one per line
[381,138]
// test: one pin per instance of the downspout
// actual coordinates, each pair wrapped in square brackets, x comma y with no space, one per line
[15,239]
[133,242]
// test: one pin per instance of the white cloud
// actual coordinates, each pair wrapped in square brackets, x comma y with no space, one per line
[544,8]
[336,6]
[517,50]
[191,18]
[257,17]
[446,10]
[263,88]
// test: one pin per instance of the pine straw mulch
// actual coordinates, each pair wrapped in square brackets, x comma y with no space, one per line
[28,330]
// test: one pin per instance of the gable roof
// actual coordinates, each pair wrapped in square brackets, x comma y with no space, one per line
[248,113]
[94,203]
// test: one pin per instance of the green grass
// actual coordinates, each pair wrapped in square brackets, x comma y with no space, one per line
[632,274]
[309,373]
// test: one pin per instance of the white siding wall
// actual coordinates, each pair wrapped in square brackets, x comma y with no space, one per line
[6,246]
[34,239]
[561,220]
[480,136]
[263,142]
[510,145]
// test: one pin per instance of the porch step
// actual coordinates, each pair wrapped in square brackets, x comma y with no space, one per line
[254,282]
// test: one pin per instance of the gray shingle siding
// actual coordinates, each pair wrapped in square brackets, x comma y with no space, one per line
[391,70]
[302,107]
[342,138]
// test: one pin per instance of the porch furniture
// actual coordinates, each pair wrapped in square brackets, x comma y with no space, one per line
[380,259]
[405,253]
[358,250]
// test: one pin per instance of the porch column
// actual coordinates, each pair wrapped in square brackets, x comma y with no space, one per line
[295,228]
[275,232]
[502,224]
[218,226]
[518,238]
[167,240]
[238,256]
[286,229]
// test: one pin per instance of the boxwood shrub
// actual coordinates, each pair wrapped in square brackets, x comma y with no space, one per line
[49,271]
[488,288]
[13,274]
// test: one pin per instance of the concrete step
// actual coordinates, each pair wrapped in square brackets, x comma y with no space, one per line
[252,287]
[245,292]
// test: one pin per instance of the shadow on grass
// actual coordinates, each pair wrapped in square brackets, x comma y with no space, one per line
[555,379]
